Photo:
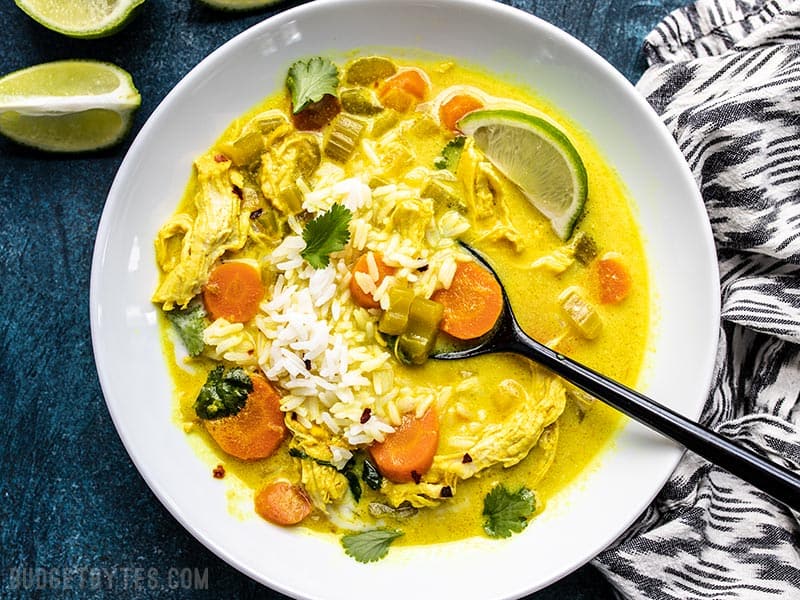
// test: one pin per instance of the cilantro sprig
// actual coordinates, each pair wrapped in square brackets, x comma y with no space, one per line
[309,80]
[507,512]
[326,234]
[369,546]
[450,155]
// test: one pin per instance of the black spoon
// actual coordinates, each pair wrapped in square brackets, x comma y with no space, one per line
[507,336]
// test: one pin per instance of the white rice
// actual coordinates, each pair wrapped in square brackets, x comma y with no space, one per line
[315,343]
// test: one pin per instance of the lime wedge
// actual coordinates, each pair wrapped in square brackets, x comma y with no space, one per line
[238,4]
[84,19]
[67,106]
[536,156]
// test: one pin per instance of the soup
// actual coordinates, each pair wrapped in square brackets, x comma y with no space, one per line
[316,264]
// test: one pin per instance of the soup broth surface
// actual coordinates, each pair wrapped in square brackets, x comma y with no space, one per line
[471,397]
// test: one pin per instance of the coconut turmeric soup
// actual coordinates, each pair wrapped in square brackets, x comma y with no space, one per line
[315,263]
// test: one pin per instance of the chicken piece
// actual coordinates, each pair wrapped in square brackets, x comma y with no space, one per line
[323,483]
[292,158]
[419,495]
[483,194]
[507,441]
[411,218]
[525,424]
[219,225]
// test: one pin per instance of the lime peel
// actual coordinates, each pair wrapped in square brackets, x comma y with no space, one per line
[238,4]
[86,19]
[68,106]
[538,157]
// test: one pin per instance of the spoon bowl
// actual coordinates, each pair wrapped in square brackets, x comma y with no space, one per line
[508,336]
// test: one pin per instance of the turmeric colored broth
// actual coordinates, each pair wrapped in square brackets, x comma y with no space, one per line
[619,351]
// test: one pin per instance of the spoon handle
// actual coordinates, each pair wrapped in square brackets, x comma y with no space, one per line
[780,483]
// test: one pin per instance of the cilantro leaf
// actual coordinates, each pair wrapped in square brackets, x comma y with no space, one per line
[326,234]
[223,394]
[506,512]
[309,80]
[450,155]
[189,323]
[369,546]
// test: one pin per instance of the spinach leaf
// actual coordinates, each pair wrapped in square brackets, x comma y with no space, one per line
[371,475]
[223,394]
[189,322]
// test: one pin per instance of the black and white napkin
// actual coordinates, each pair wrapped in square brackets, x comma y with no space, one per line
[725,77]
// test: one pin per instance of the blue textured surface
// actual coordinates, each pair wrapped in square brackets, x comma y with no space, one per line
[76,518]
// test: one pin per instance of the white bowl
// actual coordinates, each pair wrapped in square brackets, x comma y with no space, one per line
[587,515]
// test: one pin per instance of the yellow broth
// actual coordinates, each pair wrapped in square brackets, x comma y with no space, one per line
[618,352]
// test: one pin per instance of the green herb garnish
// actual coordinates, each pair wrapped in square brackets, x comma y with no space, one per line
[369,546]
[189,323]
[297,453]
[371,475]
[506,512]
[354,484]
[309,80]
[450,155]
[223,394]
[326,234]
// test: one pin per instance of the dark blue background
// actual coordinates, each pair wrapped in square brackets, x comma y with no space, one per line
[71,500]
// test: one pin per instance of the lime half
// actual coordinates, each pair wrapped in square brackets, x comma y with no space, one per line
[67,106]
[238,4]
[537,156]
[83,19]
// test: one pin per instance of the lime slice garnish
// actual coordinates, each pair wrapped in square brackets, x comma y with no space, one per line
[67,106]
[84,19]
[238,4]
[538,157]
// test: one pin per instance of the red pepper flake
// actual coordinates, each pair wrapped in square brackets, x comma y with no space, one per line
[365,415]
[218,472]
[238,192]
[221,158]
[447,492]
[466,458]
[416,476]
[256,213]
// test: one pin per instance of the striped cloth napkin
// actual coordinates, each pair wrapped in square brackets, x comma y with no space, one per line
[725,77]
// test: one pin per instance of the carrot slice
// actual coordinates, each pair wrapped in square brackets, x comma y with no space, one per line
[282,503]
[233,292]
[456,107]
[257,430]
[407,453]
[615,279]
[402,91]
[361,296]
[472,303]
[410,81]
[398,100]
